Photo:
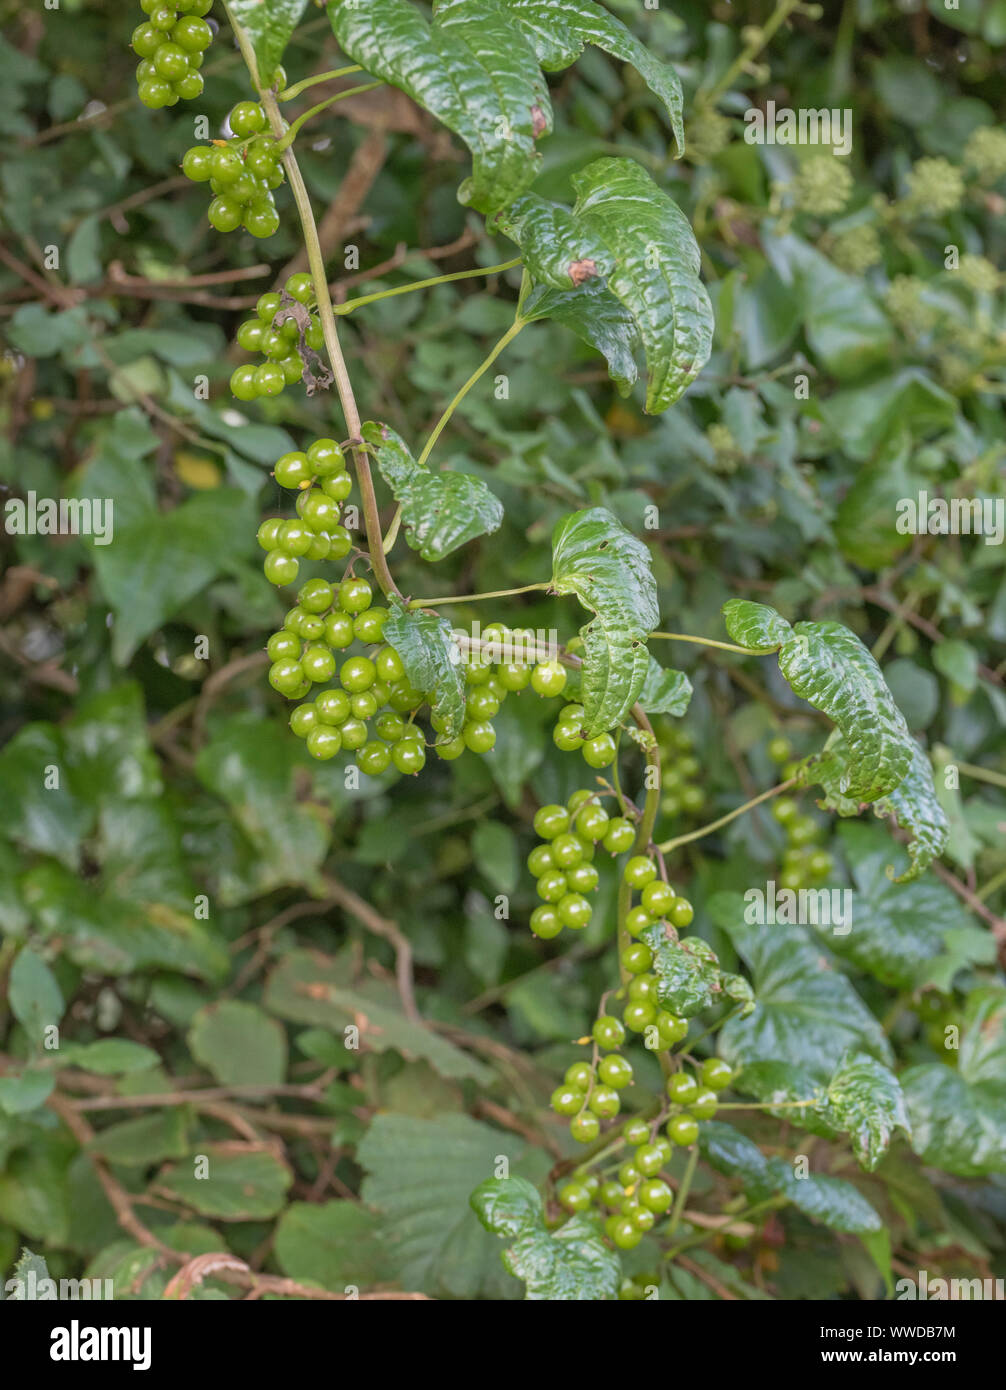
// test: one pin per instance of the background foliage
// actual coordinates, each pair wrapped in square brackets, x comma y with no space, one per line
[220,1034]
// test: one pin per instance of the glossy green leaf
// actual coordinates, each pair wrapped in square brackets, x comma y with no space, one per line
[239,1043]
[808,1013]
[627,232]
[865,1100]
[913,802]
[828,666]
[570,1264]
[440,511]
[983,1038]
[596,558]
[419,1175]
[471,68]
[957,1127]
[898,929]
[734,1155]
[688,974]
[596,317]
[833,1202]
[270,25]
[432,661]
[560,29]
[784,1088]
[665,691]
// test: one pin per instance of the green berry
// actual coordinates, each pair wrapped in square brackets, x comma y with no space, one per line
[574,911]
[315,596]
[619,836]
[545,922]
[639,871]
[585,1127]
[197,163]
[636,958]
[605,1102]
[705,1105]
[638,1014]
[682,1130]
[479,736]
[592,821]
[656,1196]
[548,678]
[599,752]
[681,913]
[614,1071]
[284,646]
[374,758]
[552,886]
[657,898]
[582,878]
[551,821]
[716,1073]
[332,707]
[608,1032]
[355,595]
[682,1088]
[580,1075]
[357,673]
[324,742]
[246,119]
[574,1196]
[280,567]
[634,1131]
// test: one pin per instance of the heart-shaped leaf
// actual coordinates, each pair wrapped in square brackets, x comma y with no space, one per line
[473,69]
[596,558]
[432,661]
[828,666]
[627,232]
[440,511]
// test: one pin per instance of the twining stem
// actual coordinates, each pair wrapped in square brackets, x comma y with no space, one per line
[473,598]
[668,845]
[316,261]
[686,1182]
[982,774]
[701,641]
[287,140]
[289,93]
[350,305]
[479,371]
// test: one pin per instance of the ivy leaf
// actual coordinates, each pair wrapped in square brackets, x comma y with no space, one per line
[665,692]
[828,666]
[560,29]
[865,1101]
[440,511]
[270,25]
[569,1264]
[473,69]
[597,318]
[807,1013]
[688,975]
[627,232]
[898,931]
[596,558]
[432,661]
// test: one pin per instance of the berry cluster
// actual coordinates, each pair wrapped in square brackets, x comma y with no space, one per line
[328,619]
[279,335]
[638,1195]
[681,793]
[322,484]
[562,862]
[170,45]
[241,172]
[488,685]
[568,735]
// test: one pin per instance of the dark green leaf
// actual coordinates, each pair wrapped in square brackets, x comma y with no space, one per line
[471,68]
[440,511]
[597,318]
[270,25]
[241,1182]
[239,1043]
[865,1100]
[432,661]
[332,1244]
[665,692]
[596,558]
[627,232]
[833,1202]
[688,975]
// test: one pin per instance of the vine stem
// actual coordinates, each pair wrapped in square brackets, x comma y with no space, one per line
[351,305]
[668,845]
[644,836]
[701,642]
[473,598]
[316,261]
[291,135]
[289,93]
[683,1190]
[479,371]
